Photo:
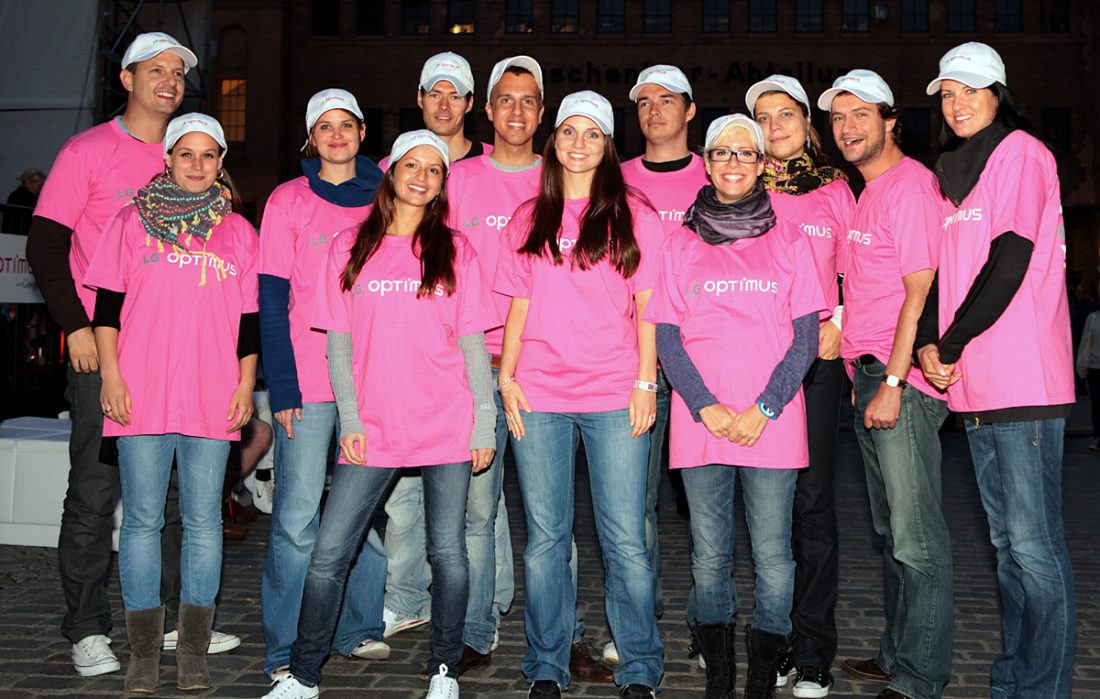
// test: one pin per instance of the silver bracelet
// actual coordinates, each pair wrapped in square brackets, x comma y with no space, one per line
[645,385]
[505,381]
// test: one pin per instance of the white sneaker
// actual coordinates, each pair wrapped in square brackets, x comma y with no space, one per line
[610,653]
[263,492]
[442,687]
[702,662]
[396,623]
[372,650]
[219,642]
[288,687]
[496,640]
[92,656]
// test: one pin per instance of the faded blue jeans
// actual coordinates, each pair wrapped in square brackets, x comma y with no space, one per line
[768,495]
[300,467]
[617,463]
[356,495]
[902,466]
[1019,470]
[145,463]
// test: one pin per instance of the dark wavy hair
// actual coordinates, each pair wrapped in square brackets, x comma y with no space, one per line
[1010,114]
[607,227]
[433,240]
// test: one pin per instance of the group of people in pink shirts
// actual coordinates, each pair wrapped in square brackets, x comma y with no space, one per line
[468,298]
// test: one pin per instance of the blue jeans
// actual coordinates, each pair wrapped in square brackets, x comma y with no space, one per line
[1019,471]
[488,546]
[902,466]
[300,466]
[145,464]
[769,498]
[617,466]
[356,495]
[653,487]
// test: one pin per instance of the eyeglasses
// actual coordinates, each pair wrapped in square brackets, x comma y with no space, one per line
[724,155]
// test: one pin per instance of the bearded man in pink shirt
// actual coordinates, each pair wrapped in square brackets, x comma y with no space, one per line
[889,258]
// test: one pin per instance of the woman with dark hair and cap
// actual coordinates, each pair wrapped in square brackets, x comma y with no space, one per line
[995,336]
[300,220]
[405,304]
[815,198]
[177,337]
[736,307]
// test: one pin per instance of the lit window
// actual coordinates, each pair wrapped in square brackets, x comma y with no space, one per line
[564,17]
[232,109]
[519,17]
[460,16]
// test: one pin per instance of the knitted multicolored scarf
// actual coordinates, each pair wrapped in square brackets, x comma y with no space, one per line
[798,175]
[174,216]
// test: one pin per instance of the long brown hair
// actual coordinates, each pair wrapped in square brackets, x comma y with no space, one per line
[433,241]
[607,227]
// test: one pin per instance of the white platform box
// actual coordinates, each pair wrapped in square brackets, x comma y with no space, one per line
[34,474]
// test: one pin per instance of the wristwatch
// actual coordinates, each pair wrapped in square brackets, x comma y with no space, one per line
[894,381]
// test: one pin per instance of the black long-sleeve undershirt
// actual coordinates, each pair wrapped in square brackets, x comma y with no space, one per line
[48,247]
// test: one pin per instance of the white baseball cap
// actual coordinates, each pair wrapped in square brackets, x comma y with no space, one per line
[520,62]
[864,84]
[332,98]
[973,64]
[730,120]
[146,46]
[772,83]
[190,123]
[669,77]
[587,104]
[421,137]
[450,67]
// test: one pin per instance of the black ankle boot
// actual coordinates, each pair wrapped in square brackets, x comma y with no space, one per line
[717,644]
[766,651]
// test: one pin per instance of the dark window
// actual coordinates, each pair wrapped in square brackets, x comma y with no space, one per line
[372,142]
[914,15]
[855,16]
[658,16]
[416,17]
[620,132]
[917,131]
[232,109]
[564,16]
[370,17]
[1058,128]
[410,119]
[716,16]
[1055,15]
[325,17]
[762,16]
[809,16]
[960,15]
[611,16]
[519,17]
[1008,16]
[460,16]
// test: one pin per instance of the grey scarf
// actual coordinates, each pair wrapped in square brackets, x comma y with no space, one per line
[721,224]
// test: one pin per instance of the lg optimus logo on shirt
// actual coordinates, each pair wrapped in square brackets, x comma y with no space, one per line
[717,287]
[495,221]
[860,237]
[962,215]
[393,286]
[199,258]
[674,215]
[815,230]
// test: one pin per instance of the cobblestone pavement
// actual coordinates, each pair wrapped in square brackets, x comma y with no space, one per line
[34,659]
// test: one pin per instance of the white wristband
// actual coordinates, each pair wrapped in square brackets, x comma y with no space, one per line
[645,385]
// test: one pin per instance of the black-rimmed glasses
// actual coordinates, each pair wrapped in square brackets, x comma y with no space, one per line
[724,155]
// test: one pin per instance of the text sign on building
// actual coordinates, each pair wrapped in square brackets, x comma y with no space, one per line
[17,285]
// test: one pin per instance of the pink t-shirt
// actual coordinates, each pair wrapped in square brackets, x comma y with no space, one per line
[177,345]
[580,342]
[823,216]
[1026,357]
[297,229]
[735,305]
[483,199]
[410,377]
[895,231]
[96,173]
[671,193]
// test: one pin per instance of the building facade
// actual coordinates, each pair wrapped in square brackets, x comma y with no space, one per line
[271,55]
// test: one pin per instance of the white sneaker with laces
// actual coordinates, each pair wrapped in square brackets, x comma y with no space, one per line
[263,492]
[219,642]
[92,656]
[372,650]
[610,653]
[441,686]
[396,623]
[288,687]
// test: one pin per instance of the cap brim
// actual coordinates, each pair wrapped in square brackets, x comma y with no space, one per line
[665,84]
[531,65]
[825,101]
[969,79]
[459,84]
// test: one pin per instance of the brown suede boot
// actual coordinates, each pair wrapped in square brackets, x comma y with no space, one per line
[145,630]
[194,640]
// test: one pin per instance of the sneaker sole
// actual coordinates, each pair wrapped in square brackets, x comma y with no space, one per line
[375,654]
[99,669]
[782,680]
[215,648]
[810,692]
[404,626]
